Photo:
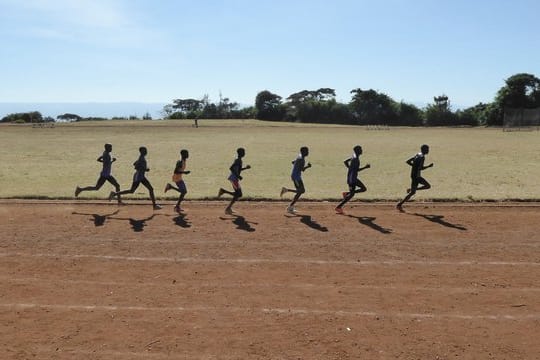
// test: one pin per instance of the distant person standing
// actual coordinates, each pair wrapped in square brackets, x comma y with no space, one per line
[299,166]
[417,165]
[139,177]
[235,177]
[105,175]
[353,166]
[179,170]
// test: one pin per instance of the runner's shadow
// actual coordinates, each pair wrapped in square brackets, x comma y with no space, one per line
[370,222]
[438,219]
[137,225]
[241,223]
[308,220]
[180,220]
[99,220]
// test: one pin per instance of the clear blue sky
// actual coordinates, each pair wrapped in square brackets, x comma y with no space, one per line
[158,50]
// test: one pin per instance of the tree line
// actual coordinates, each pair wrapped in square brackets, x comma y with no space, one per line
[366,107]
[37,117]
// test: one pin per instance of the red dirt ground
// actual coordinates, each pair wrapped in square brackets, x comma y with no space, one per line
[93,281]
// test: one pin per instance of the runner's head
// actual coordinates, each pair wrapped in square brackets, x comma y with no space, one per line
[424,149]
[357,150]
[108,147]
[241,152]
[304,151]
[184,154]
[143,151]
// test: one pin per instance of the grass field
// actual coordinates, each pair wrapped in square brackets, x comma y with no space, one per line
[470,164]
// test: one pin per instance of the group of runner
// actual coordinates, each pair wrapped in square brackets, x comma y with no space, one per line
[298,167]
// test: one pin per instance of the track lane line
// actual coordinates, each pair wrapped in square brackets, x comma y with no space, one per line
[218,284]
[291,311]
[273,261]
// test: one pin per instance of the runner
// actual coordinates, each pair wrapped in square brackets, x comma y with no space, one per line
[139,177]
[179,170]
[235,177]
[105,175]
[353,165]
[298,168]
[417,165]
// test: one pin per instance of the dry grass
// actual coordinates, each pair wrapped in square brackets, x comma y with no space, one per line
[469,163]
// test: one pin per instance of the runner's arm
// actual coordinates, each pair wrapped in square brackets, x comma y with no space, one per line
[410,162]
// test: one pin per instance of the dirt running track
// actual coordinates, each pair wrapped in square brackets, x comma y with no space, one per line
[94,281]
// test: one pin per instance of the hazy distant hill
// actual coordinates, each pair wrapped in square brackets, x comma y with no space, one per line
[97,109]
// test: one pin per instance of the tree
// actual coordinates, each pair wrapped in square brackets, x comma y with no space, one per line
[520,91]
[69,117]
[168,111]
[371,107]
[322,94]
[317,106]
[27,117]
[409,115]
[269,106]
[225,107]
[187,105]
[440,113]
[474,115]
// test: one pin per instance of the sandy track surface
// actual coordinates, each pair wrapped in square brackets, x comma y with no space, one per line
[94,281]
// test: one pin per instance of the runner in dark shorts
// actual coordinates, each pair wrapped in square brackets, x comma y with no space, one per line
[296,176]
[417,165]
[354,183]
[179,170]
[139,177]
[235,177]
[105,175]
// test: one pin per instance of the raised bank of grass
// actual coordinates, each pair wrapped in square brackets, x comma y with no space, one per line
[470,164]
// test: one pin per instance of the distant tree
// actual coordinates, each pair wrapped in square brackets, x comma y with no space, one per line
[244,113]
[409,115]
[147,116]
[322,94]
[440,112]
[225,108]
[316,106]
[94,118]
[188,108]
[520,91]
[372,107]
[474,115]
[69,117]
[187,105]
[269,106]
[26,117]
[209,111]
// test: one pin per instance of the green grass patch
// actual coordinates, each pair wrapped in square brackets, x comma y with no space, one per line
[470,164]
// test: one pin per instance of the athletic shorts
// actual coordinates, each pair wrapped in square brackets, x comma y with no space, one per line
[138,177]
[353,183]
[235,184]
[299,185]
[181,186]
[415,181]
